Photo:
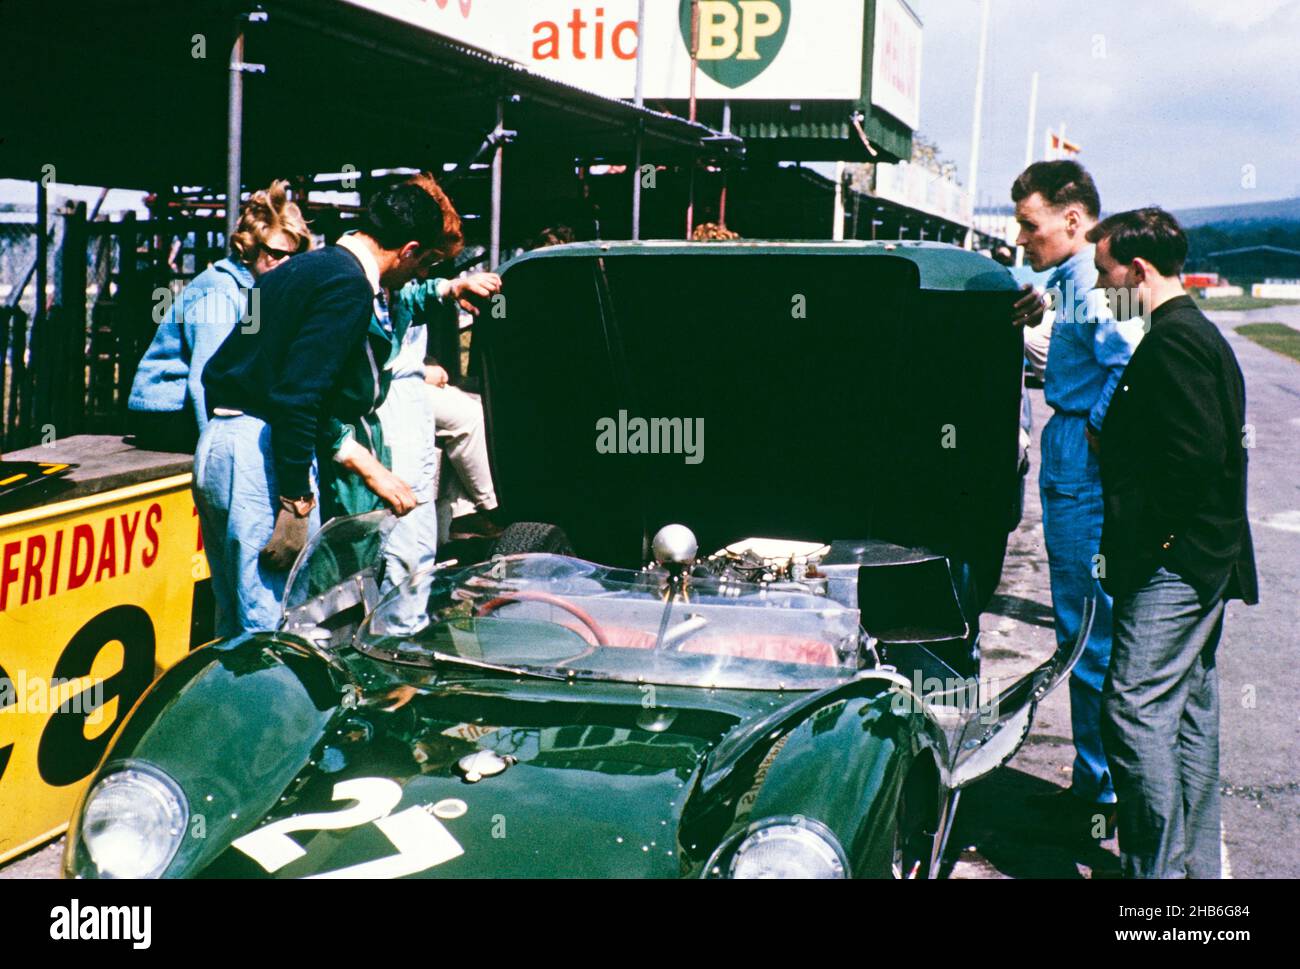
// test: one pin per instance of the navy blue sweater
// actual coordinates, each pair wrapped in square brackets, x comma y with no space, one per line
[315,310]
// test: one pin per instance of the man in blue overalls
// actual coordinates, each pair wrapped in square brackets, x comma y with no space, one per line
[1056,205]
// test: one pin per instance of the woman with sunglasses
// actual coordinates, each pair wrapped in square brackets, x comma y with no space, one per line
[169,378]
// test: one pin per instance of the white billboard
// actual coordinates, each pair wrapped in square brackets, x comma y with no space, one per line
[749,49]
[896,62]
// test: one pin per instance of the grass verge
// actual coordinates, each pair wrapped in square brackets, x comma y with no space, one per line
[1232,304]
[1277,337]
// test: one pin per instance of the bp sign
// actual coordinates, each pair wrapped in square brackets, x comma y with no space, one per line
[761,50]
[739,39]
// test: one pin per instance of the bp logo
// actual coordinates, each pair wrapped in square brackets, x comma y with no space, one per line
[739,39]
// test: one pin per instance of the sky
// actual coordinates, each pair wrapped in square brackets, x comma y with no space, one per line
[1179,103]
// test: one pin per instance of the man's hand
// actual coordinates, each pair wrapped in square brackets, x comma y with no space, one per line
[482,285]
[395,492]
[287,540]
[1029,309]
[435,375]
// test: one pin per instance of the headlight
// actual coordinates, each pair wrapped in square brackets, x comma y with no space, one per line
[132,823]
[789,848]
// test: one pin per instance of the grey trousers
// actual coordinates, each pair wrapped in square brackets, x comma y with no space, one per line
[1160,728]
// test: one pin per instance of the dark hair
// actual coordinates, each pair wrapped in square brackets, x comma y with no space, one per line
[1151,234]
[405,213]
[1060,183]
[453,238]
[552,235]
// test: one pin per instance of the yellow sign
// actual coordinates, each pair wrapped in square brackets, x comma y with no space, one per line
[96,599]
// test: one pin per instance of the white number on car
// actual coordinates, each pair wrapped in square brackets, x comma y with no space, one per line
[422,841]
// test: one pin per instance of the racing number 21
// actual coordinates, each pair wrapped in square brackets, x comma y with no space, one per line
[421,840]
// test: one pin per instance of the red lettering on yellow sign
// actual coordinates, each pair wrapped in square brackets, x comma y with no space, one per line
[8,571]
[32,568]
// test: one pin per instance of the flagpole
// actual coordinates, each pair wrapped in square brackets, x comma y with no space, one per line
[1033,120]
[978,119]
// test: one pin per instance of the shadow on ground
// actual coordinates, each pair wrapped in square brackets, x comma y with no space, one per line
[1017,839]
[1025,610]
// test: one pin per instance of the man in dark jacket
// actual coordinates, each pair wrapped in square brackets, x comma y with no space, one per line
[1175,546]
[274,385]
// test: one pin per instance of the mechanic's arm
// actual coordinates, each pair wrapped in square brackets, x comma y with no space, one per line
[481,285]
[415,297]
[390,488]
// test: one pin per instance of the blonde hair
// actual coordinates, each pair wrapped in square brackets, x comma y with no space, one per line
[713,232]
[453,237]
[264,214]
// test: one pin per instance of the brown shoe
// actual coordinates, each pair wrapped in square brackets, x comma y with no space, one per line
[477,525]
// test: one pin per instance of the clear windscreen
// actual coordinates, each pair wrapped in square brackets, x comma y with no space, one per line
[562,616]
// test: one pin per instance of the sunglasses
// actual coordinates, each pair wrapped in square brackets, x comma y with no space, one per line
[279,253]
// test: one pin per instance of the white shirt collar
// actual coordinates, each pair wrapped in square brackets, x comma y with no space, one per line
[353,245]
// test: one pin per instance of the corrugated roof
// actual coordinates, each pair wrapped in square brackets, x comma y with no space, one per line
[118,94]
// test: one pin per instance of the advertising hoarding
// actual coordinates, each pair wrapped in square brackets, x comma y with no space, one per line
[96,599]
[896,62]
[749,49]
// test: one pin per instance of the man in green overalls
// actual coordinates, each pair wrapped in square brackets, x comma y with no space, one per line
[353,425]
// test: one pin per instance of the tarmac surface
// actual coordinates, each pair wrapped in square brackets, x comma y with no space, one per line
[998,834]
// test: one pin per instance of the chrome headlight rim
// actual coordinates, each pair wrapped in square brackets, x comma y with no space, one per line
[722,863]
[155,782]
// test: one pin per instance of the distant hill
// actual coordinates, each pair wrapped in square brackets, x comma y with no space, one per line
[1275,210]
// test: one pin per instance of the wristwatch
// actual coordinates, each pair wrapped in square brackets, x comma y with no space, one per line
[301,507]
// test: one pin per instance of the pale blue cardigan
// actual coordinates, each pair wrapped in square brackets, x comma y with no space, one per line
[170,377]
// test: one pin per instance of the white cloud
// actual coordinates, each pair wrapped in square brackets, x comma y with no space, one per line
[1242,14]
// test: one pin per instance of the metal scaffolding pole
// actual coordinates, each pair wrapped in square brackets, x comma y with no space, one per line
[235,133]
[498,163]
[235,119]
[639,99]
